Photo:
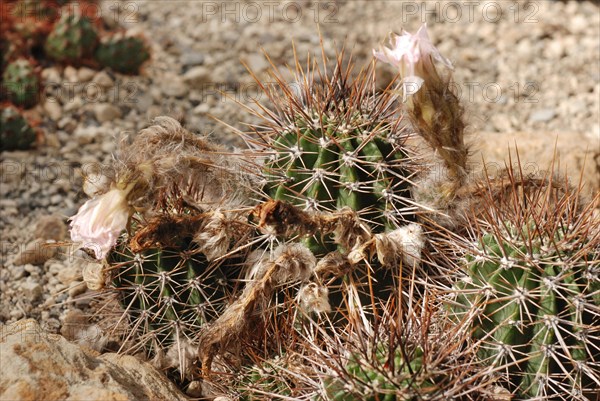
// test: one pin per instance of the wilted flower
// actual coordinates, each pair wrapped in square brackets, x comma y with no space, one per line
[407,241]
[100,220]
[412,55]
[314,298]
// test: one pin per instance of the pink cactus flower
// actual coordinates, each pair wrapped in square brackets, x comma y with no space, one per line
[412,55]
[100,221]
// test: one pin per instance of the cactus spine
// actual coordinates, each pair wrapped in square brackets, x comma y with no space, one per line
[177,265]
[338,144]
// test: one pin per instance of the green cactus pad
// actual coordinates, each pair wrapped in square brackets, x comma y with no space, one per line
[15,132]
[21,83]
[72,39]
[123,54]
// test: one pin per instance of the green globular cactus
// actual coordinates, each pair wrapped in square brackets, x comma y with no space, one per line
[376,378]
[21,83]
[337,144]
[72,39]
[531,291]
[15,131]
[170,292]
[123,54]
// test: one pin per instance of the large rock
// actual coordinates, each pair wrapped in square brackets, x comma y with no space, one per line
[35,365]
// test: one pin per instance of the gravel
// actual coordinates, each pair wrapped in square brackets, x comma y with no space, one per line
[528,67]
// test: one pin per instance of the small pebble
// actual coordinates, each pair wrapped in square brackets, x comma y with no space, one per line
[32,290]
[106,112]
[85,74]
[542,115]
[103,79]
[53,110]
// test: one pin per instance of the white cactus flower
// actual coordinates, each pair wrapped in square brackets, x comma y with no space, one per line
[100,220]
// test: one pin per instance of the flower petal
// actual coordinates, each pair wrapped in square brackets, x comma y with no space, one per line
[100,221]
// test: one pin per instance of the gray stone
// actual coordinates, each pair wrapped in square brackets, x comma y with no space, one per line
[32,290]
[103,79]
[53,110]
[202,109]
[70,74]
[85,74]
[37,252]
[50,227]
[256,62]
[191,59]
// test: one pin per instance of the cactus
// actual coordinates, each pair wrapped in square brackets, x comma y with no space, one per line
[72,39]
[122,54]
[423,358]
[177,264]
[372,383]
[169,291]
[531,288]
[15,131]
[338,144]
[336,168]
[21,82]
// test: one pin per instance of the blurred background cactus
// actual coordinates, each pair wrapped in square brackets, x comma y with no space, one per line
[21,82]
[73,39]
[124,54]
[16,133]
[36,33]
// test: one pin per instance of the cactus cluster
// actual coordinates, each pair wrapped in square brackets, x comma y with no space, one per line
[219,260]
[35,32]
[336,144]
[337,175]
[169,292]
[368,380]
[270,377]
[532,289]
[177,265]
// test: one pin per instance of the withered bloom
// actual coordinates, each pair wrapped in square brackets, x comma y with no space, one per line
[100,220]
